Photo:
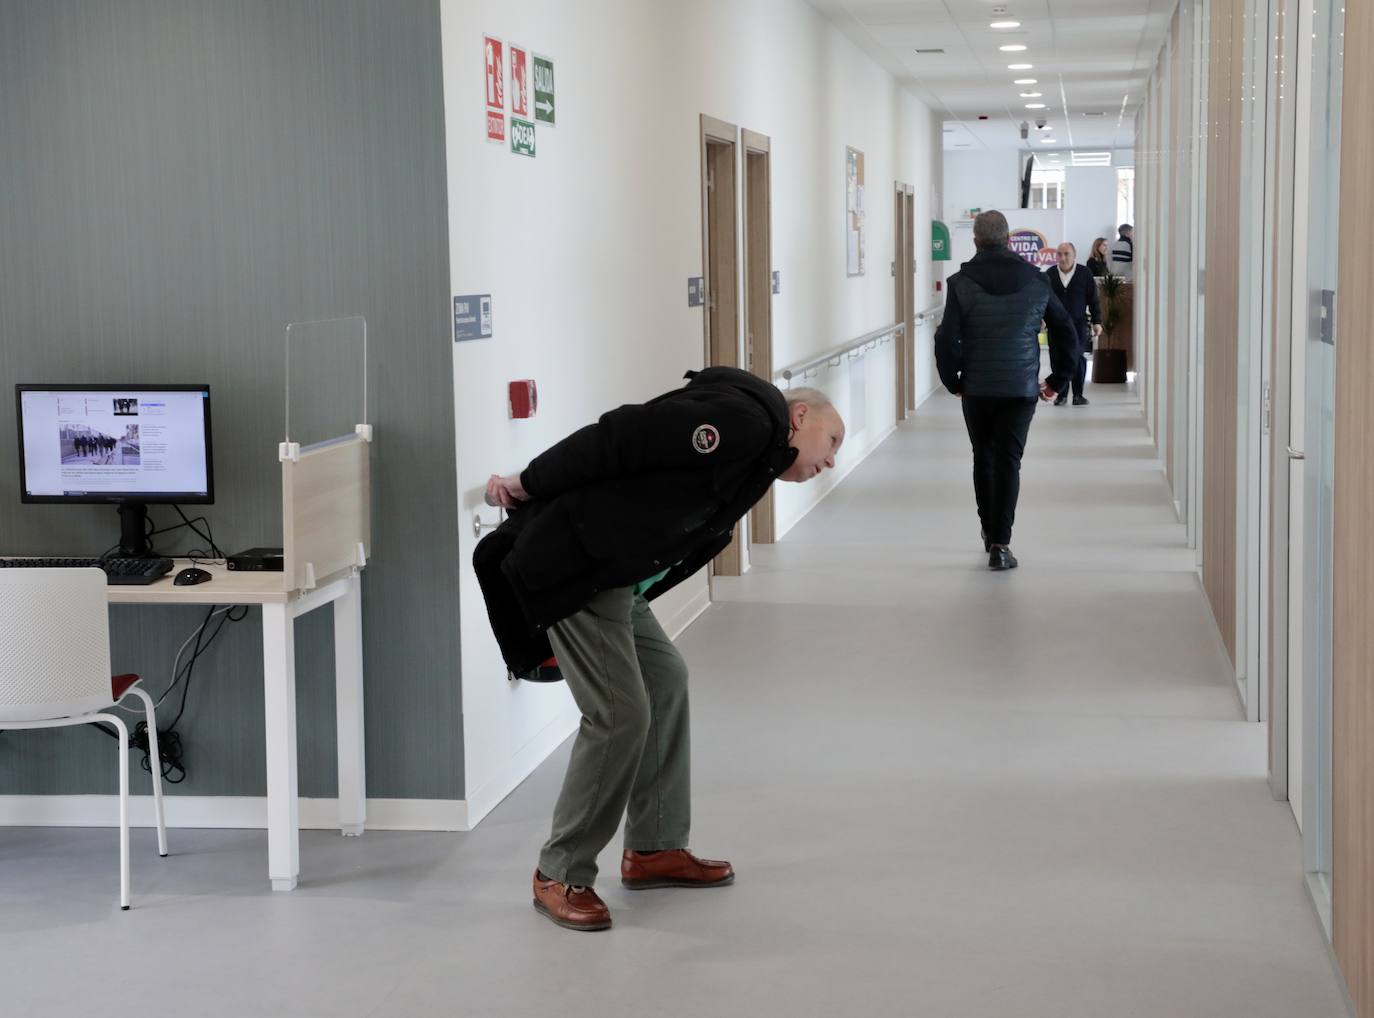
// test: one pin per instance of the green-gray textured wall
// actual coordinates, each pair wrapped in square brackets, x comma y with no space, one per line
[178,180]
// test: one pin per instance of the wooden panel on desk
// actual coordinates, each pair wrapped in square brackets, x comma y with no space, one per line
[228,586]
[325,511]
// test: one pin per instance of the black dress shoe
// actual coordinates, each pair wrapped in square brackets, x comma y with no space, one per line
[1001,559]
[1060,400]
[1080,401]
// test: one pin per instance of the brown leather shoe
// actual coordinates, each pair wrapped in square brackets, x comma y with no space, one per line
[674,868]
[571,906]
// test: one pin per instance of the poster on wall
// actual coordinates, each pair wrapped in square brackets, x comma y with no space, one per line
[854,230]
[1033,234]
[1033,247]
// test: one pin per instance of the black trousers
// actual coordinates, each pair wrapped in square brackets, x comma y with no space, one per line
[1080,366]
[997,427]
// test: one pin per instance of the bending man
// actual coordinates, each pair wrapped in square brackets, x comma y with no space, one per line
[605,521]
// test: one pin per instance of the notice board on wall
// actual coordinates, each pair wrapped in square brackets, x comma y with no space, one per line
[854,231]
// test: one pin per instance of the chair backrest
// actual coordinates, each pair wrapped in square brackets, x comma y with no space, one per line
[54,643]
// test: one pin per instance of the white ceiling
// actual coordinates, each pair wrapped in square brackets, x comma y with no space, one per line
[1089,56]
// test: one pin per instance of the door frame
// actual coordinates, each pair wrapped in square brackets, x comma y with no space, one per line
[720,261]
[1285,337]
[757,196]
[903,283]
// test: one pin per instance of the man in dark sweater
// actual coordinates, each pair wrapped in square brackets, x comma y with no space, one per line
[1076,288]
[987,350]
[602,523]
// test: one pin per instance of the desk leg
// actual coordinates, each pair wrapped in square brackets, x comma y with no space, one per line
[348,677]
[279,699]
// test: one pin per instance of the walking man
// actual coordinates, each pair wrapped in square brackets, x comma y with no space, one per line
[987,350]
[602,523]
[1076,289]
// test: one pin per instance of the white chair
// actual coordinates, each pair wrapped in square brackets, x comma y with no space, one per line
[55,671]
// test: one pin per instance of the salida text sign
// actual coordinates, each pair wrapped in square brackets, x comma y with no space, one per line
[544,111]
[1032,246]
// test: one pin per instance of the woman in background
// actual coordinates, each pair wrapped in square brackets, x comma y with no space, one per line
[1097,257]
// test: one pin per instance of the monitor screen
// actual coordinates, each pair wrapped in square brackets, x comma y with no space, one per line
[114,443]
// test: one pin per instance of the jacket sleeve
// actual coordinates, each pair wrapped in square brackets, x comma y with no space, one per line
[669,434]
[1094,307]
[949,353]
[1063,345]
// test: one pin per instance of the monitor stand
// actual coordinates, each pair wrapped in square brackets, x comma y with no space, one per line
[133,530]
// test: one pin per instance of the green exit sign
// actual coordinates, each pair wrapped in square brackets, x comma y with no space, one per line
[521,137]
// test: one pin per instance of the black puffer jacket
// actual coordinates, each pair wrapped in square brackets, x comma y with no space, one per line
[988,341]
[649,487]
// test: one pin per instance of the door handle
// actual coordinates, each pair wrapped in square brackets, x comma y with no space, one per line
[478,525]
[1294,454]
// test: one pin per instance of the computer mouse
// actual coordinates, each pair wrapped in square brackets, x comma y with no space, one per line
[190,577]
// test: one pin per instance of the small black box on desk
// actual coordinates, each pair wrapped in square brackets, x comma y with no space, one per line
[262,560]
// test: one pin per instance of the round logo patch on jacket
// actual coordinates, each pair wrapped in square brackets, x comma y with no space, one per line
[706,439]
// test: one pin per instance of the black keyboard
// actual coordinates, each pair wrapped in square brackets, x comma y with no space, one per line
[117,570]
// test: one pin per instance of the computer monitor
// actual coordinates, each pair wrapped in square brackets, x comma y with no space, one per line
[127,444]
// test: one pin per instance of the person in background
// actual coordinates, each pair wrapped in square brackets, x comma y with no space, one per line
[987,350]
[1123,253]
[1098,256]
[1076,289]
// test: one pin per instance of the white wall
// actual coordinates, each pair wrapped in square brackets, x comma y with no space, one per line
[981,179]
[1089,206]
[587,249]
[977,179]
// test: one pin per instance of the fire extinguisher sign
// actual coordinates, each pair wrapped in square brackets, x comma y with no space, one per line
[493,51]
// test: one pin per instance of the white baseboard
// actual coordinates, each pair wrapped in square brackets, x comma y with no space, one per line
[677,624]
[520,766]
[937,387]
[225,811]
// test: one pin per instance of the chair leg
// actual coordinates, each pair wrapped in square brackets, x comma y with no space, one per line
[123,805]
[155,762]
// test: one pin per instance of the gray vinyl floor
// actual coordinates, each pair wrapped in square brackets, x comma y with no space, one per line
[948,793]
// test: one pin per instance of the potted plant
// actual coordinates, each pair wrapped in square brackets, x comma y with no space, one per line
[1109,360]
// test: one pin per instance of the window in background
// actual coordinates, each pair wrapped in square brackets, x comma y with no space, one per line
[1125,194]
[1047,189]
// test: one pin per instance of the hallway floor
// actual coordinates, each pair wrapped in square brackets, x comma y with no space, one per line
[948,793]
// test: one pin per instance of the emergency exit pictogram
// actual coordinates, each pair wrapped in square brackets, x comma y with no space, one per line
[544,111]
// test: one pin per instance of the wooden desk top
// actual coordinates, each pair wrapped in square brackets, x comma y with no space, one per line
[228,586]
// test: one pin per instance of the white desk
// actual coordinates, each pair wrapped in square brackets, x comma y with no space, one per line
[280,609]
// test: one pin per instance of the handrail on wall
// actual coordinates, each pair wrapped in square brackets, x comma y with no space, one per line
[854,349]
[929,313]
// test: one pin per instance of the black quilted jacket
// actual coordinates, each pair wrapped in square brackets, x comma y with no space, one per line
[987,344]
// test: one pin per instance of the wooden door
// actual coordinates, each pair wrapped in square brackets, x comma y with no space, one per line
[720,257]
